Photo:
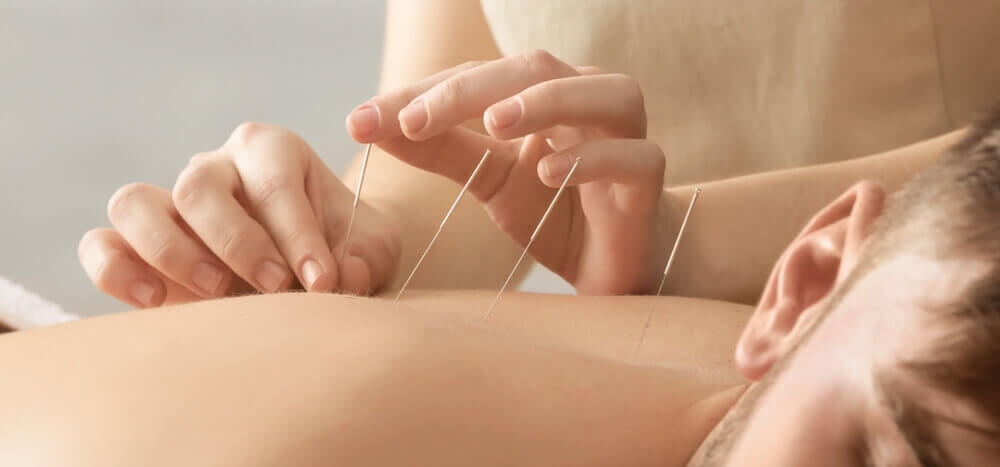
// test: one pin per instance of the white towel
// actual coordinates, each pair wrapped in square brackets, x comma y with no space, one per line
[21,309]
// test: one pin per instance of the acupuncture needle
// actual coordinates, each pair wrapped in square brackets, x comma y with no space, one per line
[357,197]
[443,222]
[666,270]
[531,239]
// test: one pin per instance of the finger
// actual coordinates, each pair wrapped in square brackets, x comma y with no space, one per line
[115,269]
[368,263]
[356,275]
[204,198]
[636,164]
[274,165]
[145,218]
[455,155]
[467,94]
[589,70]
[106,259]
[612,102]
[365,123]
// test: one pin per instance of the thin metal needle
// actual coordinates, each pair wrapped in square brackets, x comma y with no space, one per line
[534,234]
[357,197]
[666,270]
[443,221]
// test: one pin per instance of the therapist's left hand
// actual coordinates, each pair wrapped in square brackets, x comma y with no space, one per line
[608,233]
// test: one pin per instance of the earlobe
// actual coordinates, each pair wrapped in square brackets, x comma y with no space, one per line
[759,347]
[806,273]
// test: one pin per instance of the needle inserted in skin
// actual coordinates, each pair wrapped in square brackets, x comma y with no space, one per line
[357,197]
[531,239]
[443,221]
[666,270]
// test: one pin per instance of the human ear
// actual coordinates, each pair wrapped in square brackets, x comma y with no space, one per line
[813,264]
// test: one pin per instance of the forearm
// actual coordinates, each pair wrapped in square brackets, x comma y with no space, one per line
[740,226]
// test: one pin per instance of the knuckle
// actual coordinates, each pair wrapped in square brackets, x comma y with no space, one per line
[165,251]
[190,186]
[236,242]
[469,65]
[541,62]
[274,142]
[124,198]
[199,158]
[268,187]
[453,90]
[297,236]
[247,132]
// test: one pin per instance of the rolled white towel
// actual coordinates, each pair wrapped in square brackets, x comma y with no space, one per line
[21,309]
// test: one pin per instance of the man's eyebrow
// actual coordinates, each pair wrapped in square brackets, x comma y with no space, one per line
[916,426]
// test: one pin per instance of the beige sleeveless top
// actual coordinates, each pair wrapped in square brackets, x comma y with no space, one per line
[742,86]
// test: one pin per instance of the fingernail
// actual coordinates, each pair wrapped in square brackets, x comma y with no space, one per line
[142,292]
[506,113]
[364,120]
[414,116]
[269,276]
[207,277]
[311,270]
[557,166]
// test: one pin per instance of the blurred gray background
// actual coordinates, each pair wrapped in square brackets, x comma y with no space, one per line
[97,94]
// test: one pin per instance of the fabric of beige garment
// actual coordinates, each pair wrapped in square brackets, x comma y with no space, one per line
[742,86]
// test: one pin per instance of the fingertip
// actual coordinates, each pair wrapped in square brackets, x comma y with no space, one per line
[553,169]
[147,292]
[544,177]
[363,122]
[129,281]
[271,277]
[355,277]
[414,119]
[504,115]
[318,276]
[86,243]
[490,125]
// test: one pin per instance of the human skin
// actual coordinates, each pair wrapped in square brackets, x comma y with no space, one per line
[836,321]
[406,194]
[310,379]
[146,258]
[284,211]
[548,380]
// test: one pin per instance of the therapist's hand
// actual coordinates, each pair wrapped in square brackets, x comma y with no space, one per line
[608,234]
[261,213]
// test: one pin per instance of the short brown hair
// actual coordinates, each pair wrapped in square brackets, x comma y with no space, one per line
[952,210]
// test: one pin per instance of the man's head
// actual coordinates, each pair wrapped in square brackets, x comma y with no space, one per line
[877,339]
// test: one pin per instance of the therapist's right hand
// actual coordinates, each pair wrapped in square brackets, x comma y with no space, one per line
[261,213]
